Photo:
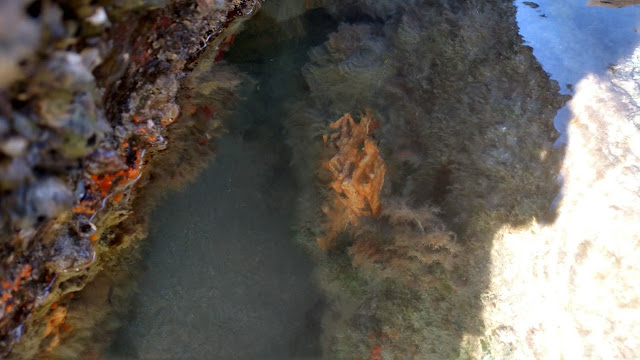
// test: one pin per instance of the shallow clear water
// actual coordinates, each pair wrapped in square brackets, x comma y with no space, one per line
[223,277]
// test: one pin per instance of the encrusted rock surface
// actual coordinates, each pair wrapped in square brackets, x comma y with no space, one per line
[86,94]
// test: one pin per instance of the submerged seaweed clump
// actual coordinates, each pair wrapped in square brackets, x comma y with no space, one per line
[357,175]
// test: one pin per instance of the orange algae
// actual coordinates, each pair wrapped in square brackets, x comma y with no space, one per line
[85,207]
[167,122]
[12,288]
[25,273]
[56,324]
[357,175]
[377,339]
[105,182]
[376,352]
[137,119]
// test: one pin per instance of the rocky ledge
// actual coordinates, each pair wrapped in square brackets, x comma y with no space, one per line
[87,94]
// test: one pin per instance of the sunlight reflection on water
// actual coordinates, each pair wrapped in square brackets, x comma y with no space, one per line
[572,40]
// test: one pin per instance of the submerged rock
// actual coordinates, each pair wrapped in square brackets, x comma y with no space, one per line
[71,253]
[465,113]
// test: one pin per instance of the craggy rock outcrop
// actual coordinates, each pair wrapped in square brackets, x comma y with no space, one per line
[86,95]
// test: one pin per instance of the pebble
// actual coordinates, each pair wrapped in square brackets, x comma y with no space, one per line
[14,146]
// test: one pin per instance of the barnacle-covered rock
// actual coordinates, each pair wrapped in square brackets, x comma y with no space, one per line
[70,253]
[76,134]
[25,126]
[40,201]
[13,172]
[4,126]
[14,146]
[104,160]
[63,71]
[19,36]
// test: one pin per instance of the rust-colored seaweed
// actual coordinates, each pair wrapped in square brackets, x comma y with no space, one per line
[56,325]
[357,175]
[419,241]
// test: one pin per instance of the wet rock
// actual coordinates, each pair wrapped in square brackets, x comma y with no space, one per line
[4,125]
[14,146]
[103,161]
[18,37]
[70,253]
[39,201]
[64,71]
[14,172]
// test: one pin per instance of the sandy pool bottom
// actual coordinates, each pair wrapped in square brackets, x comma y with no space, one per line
[223,278]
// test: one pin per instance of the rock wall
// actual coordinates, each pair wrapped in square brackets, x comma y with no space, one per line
[87,94]
[464,117]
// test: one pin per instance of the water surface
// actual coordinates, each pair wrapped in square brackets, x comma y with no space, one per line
[572,40]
